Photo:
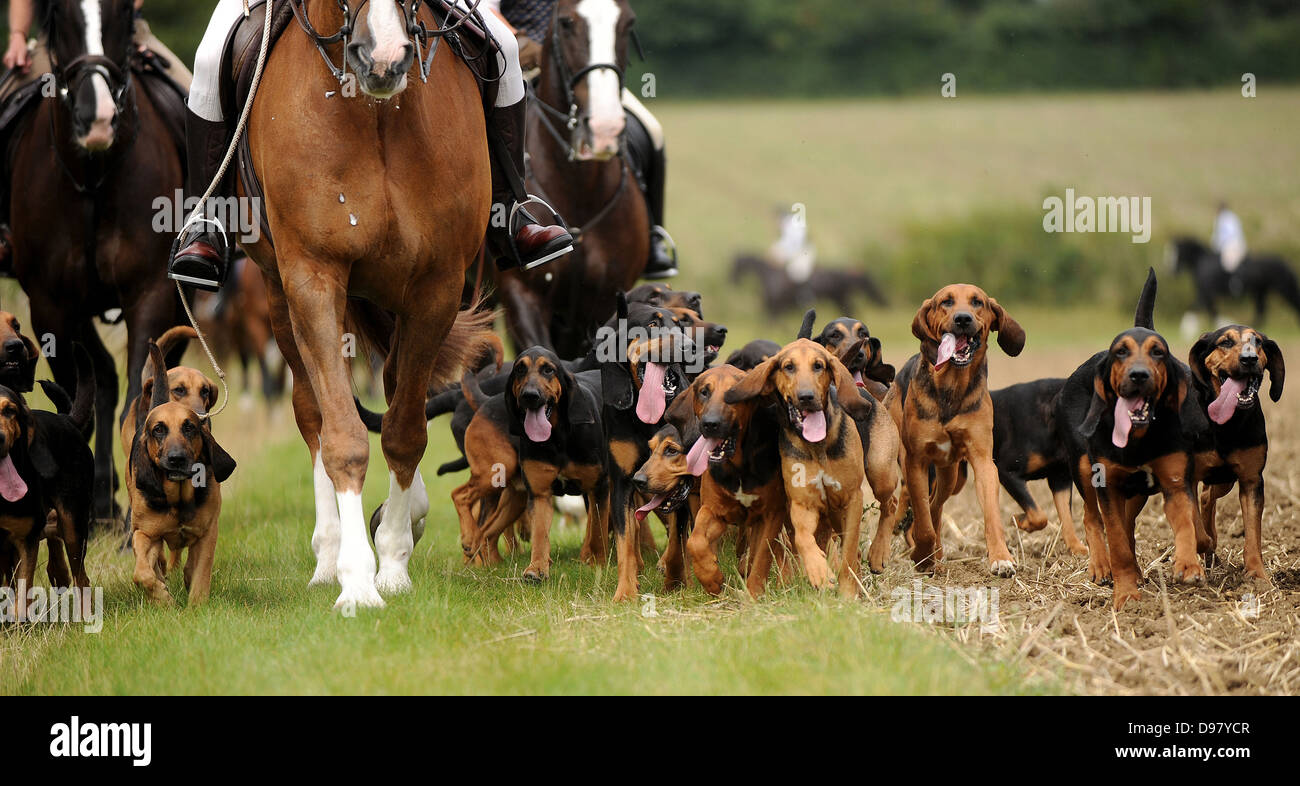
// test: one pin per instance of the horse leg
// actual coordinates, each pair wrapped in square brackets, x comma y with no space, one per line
[103,505]
[316,295]
[528,319]
[404,434]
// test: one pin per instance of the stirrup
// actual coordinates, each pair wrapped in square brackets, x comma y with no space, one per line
[510,231]
[223,252]
[666,240]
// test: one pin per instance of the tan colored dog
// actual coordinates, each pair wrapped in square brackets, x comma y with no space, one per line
[174,474]
[940,401]
[185,385]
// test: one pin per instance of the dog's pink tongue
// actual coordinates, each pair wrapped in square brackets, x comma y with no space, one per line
[858,380]
[12,487]
[650,405]
[814,426]
[536,426]
[697,460]
[1223,407]
[947,346]
[1123,423]
[645,509]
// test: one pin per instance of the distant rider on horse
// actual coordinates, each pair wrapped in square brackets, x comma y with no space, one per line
[201,261]
[530,19]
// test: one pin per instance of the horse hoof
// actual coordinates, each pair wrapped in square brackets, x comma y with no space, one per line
[359,595]
[392,582]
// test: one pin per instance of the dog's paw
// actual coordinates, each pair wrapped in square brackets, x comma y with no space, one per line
[361,594]
[1079,548]
[1188,572]
[1003,568]
[391,581]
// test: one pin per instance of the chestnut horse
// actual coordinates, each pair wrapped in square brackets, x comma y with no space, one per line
[578,165]
[87,168]
[383,196]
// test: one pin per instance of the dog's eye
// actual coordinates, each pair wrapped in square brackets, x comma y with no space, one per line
[818,366]
[548,371]
[671,450]
[948,302]
[1122,352]
[179,392]
[788,367]
[654,323]
[1225,344]
[188,429]
[705,392]
[1157,352]
[160,430]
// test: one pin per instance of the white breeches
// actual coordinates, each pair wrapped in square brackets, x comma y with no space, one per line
[205,93]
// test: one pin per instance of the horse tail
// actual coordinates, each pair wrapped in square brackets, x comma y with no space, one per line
[469,339]
[167,342]
[83,407]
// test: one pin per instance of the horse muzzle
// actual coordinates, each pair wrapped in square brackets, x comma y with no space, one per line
[381,71]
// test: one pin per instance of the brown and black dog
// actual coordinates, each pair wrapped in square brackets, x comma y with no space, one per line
[174,474]
[1130,426]
[741,485]
[822,453]
[185,385]
[859,351]
[18,355]
[543,431]
[940,401]
[665,478]
[1228,367]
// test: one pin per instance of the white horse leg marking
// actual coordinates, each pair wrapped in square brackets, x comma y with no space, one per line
[356,560]
[394,539]
[325,538]
[419,505]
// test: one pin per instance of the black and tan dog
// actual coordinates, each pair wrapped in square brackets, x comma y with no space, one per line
[1228,367]
[665,478]
[18,355]
[544,431]
[1130,422]
[663,295]
[753,353]
[741,485]
[823,454]
[860,352]
[940,401]
[185,385]
[1026,447]
[637,387]
[174,474]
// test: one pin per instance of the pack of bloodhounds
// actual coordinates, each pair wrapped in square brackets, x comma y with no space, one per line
[780,446]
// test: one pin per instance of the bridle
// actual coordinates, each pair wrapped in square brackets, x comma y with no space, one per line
[569,81]
[425,39]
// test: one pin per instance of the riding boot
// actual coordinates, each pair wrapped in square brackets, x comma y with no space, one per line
[531,244]
[663,251]
[204,257]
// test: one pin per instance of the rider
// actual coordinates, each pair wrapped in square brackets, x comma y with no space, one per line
[26,59]
[530,20]
[1229,241]
[207,137]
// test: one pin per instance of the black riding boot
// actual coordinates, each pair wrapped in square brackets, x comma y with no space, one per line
[204,257]
[533,244]
[663,251]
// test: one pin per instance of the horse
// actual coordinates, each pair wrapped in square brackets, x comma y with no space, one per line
[781,294]
[238,322]
[375,201]
[99,152]
[580,167]
[1258,275]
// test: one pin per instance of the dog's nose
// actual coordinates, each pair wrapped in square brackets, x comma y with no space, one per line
[807,397]
[641,482]
[178,461]
[1250,361]
[15,348]
[722,330]
[1139,375]
[963,319]
[711,426]
[530,398]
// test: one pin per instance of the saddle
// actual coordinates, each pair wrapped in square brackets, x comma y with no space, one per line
[470,42]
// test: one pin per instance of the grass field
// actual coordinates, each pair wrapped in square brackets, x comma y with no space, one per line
[865,170]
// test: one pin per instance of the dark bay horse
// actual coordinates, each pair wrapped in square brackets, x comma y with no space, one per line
[383,197]
[1259,276]
[781,294]
[87,168]
[577,165]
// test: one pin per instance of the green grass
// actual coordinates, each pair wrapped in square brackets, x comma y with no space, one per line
[878,177]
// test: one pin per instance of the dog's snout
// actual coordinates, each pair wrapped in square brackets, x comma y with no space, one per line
[530,398]
[178,460]
[641,482]
[14,349]
[1249,361]
[1139,375]
[963,319]
[711,426]
[807,397]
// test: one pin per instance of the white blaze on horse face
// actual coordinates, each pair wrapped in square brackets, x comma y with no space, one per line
[604,93]
[388,31]
[100,135]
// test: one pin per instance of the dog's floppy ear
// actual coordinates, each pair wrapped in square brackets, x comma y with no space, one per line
[148,479]
[1011,337]
[855,402]
[1197,355]
[222,465]
[577,408]
[616,386]
[1100,397]
[805,329]
[160,393]
[756,382]
[209,397]
[27,374]
[877,368]
[921,329]
[681,412]
[1275,366]
[1175,393]
[514,418]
